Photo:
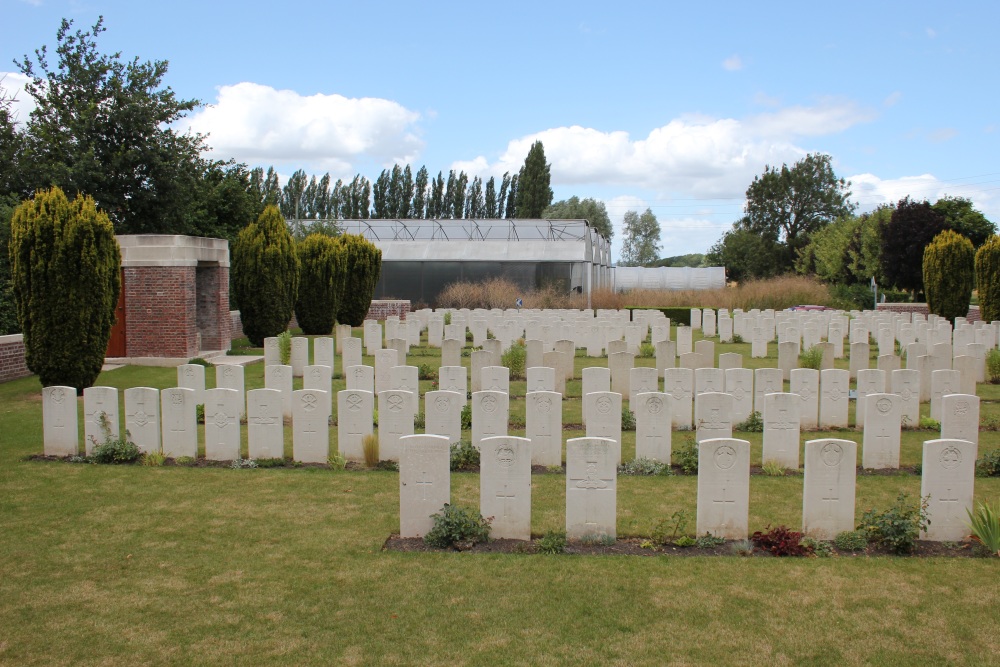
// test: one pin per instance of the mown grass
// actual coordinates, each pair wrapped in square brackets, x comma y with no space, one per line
[136,565]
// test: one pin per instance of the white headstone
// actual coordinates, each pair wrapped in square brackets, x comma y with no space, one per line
[709,380]
[604,417]
[142,417]
[781,430]
[943,382]
[98,402]
[804,383]
[860,358]
[443,414]
[373,337]
[652,426]
[505,486]
[765,381]
[834,387]
[788,358]
[300,355]
[496,378]
[350,352]
[354,422]
[319,378]
[641,380]
[311,426]
[454,378]
[60,422]
[265,425]
[678,384]
[828,487]
[724,488]
[591,488]
[713,416]
[870,381]
[222,424]
[395,420]
[280,378]
[490,414]
[323,351]
[541,378]
[272,353]
[729,360]
[231,376]
[543,426]
[684,345]
[192,376]
[179,417]
[360,377]
[620,364]
[407,378]
[883,415]
[424,482]
[960,418]
[479,360]
[905,383]
[947,477]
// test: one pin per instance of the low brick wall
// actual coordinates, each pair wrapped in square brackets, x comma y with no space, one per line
[12,364]
[922,309]
[379,310]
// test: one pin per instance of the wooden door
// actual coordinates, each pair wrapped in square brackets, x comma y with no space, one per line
[116,345]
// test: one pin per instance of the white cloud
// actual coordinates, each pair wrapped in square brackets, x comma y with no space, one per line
[942,134]
[892,99]
[699,156]
[733,63]
[931,32]
[870,191]
[13,85]
[259,124]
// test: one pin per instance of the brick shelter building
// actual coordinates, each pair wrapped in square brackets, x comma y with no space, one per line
[174,301]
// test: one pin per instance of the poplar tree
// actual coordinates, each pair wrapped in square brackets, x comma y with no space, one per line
[420,194]
[533,192]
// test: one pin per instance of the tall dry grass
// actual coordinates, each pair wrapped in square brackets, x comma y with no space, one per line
[777,293]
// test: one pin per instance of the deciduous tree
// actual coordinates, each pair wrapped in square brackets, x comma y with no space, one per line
[905,234]
[591,210]
[640,239]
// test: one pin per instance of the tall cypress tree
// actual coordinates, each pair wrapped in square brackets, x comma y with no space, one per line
[420,194]
[533,192]
[511,211]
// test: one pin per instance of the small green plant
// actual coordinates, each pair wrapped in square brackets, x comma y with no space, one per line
[447,319]
[811,357]
[647,544]
[243,464]
[818,548]
[464,457]
[780,541]
[928,424]
[552,542]
[898,527]
[154,459]
[737,338]
[753,424]
[685,541]
[199,413]
[185,461]
[993,366]
[113,450]
[275,462]
[672,529]
[555,470]
[742,548]
[285,347]
[514,358]
[989,464]
[375,417]
[369,444]
[466,417]
[598,540]
[426,372]
[687,456]
[457,527]
[851,540]
[337,462]
[515,421]
[709,541]
[628,419]
[644,466]
[419,420]
[985,526]
[647,351]
[773,469]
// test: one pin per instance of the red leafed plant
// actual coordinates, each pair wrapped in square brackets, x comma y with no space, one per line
[780,541]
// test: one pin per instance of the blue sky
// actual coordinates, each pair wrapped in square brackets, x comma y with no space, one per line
[672,106]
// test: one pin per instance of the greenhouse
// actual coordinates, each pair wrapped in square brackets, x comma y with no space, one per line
[421,257]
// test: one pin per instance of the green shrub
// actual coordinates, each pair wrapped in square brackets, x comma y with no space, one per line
[265,276]
[464,457]
[709,541]
[185,461]
[753,424]
[285,347]
[985,526]
[898,527]
[628,419]
[851,540]
[65,276]
[279,462]
[466,417]
[363,266]
[116,450]
[369,445]
[552,542]
[321,282]
[154,459]
[243,464]
[773,469]
[644,467]
[457,527]
[426,372]
[988,279]
[672,529]
[811,357]
[993,365]
[687,456]
[949,274]
[647,351]
[818,548]
[928,423]
[989,464]
[514,358]
[335,461]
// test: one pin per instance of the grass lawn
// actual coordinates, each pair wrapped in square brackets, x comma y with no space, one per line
[104,565]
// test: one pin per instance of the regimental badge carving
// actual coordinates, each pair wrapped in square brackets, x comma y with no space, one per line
[441,404]
[395,402]
[354,402]
[505,456]
[961,408]
[883,405]
[725,457]
[58,395]
[951,457]
[604,405]
[831,454]
[654,405]
[544,405]
[176,398]
[488,403]
[309,402]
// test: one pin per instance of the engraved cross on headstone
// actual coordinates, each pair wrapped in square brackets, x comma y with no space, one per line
[506,496]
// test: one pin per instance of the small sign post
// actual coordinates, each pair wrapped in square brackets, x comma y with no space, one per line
[519,303]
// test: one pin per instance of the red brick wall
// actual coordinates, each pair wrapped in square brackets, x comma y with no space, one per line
[12,364]
[214,322]
[379,310]
[921,308]
[161,311]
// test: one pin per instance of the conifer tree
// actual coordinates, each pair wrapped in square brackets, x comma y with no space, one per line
[362,266]
[949,274]
[988,279]
[321,283]
[65,266]
[534,193]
